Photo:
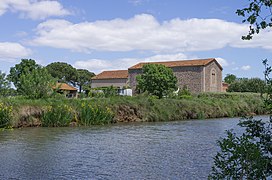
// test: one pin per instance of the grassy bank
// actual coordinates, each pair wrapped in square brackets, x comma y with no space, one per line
[20,112]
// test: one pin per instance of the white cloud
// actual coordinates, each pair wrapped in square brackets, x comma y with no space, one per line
[222,62]
[33,9]
[144,32]
[13,51]
[137,2]
[246,68]
[98,65]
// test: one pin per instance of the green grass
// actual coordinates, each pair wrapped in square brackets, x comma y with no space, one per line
[98,111]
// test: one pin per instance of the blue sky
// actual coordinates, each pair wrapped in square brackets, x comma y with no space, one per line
[115,34]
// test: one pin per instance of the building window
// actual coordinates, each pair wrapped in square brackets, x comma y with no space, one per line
[213,77]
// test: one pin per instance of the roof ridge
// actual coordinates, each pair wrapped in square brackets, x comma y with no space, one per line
[206,59]
[118,74]
[182,63]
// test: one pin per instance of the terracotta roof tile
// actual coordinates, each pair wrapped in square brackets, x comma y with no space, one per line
[196,62]
[64,86]
[118,74]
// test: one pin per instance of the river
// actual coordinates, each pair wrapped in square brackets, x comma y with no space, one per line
[161,150]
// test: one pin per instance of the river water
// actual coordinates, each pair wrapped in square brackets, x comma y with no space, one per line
[164,150]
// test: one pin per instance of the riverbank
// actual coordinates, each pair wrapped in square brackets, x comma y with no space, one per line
[20,112]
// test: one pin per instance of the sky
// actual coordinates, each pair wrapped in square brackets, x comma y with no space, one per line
[103,35]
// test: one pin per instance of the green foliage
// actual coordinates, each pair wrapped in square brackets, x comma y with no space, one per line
[139,108]
[93,114]
[248,156]
[4,85]
[60,115]
[25,67]
[110,91]
[157,80]
[102,92]
[230,78]
[184,93]
[248,85]
[268,79]
[5,114]
[96,93]
[84,79]
[63,72]
[258,14]
[36,84]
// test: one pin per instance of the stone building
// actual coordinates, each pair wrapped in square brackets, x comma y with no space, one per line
[202,75]
[117,78]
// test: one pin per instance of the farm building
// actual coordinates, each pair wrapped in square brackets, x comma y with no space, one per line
[117,78]
[201,75]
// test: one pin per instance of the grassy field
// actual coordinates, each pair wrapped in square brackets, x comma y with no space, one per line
[20,112]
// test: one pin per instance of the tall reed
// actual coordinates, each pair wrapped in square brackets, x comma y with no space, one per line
[57,116]
[5,114]
[93,114]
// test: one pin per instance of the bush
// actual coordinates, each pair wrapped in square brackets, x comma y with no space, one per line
[5,114]
[57,116]
[96,93]
[248,156]
[184,93]
[157,80]
[93,114]
[36,84]
[247,85]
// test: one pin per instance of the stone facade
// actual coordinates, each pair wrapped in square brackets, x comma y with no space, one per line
[213,77]
[109,82]
[197,78]
[132,73]
[204,75]
[191,77]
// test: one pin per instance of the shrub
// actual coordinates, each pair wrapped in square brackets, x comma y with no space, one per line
[92,114]
[5,114]
[248,156]
[96,93]
[57,116]
[157,80]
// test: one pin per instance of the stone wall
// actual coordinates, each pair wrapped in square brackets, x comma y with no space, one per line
[190,77]
[197,78]
[109,82]
[213,78]
[132,73]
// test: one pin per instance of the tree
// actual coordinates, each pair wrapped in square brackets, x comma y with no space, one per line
[63,72]
[258,14]
[230,78]
[26,66]
[157,80]
[4,84]
[36,84]
[83,78]
[248,156]
[255,85]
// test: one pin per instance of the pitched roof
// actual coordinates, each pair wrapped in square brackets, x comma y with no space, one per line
[196,62]
[118,74]
[64,86]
